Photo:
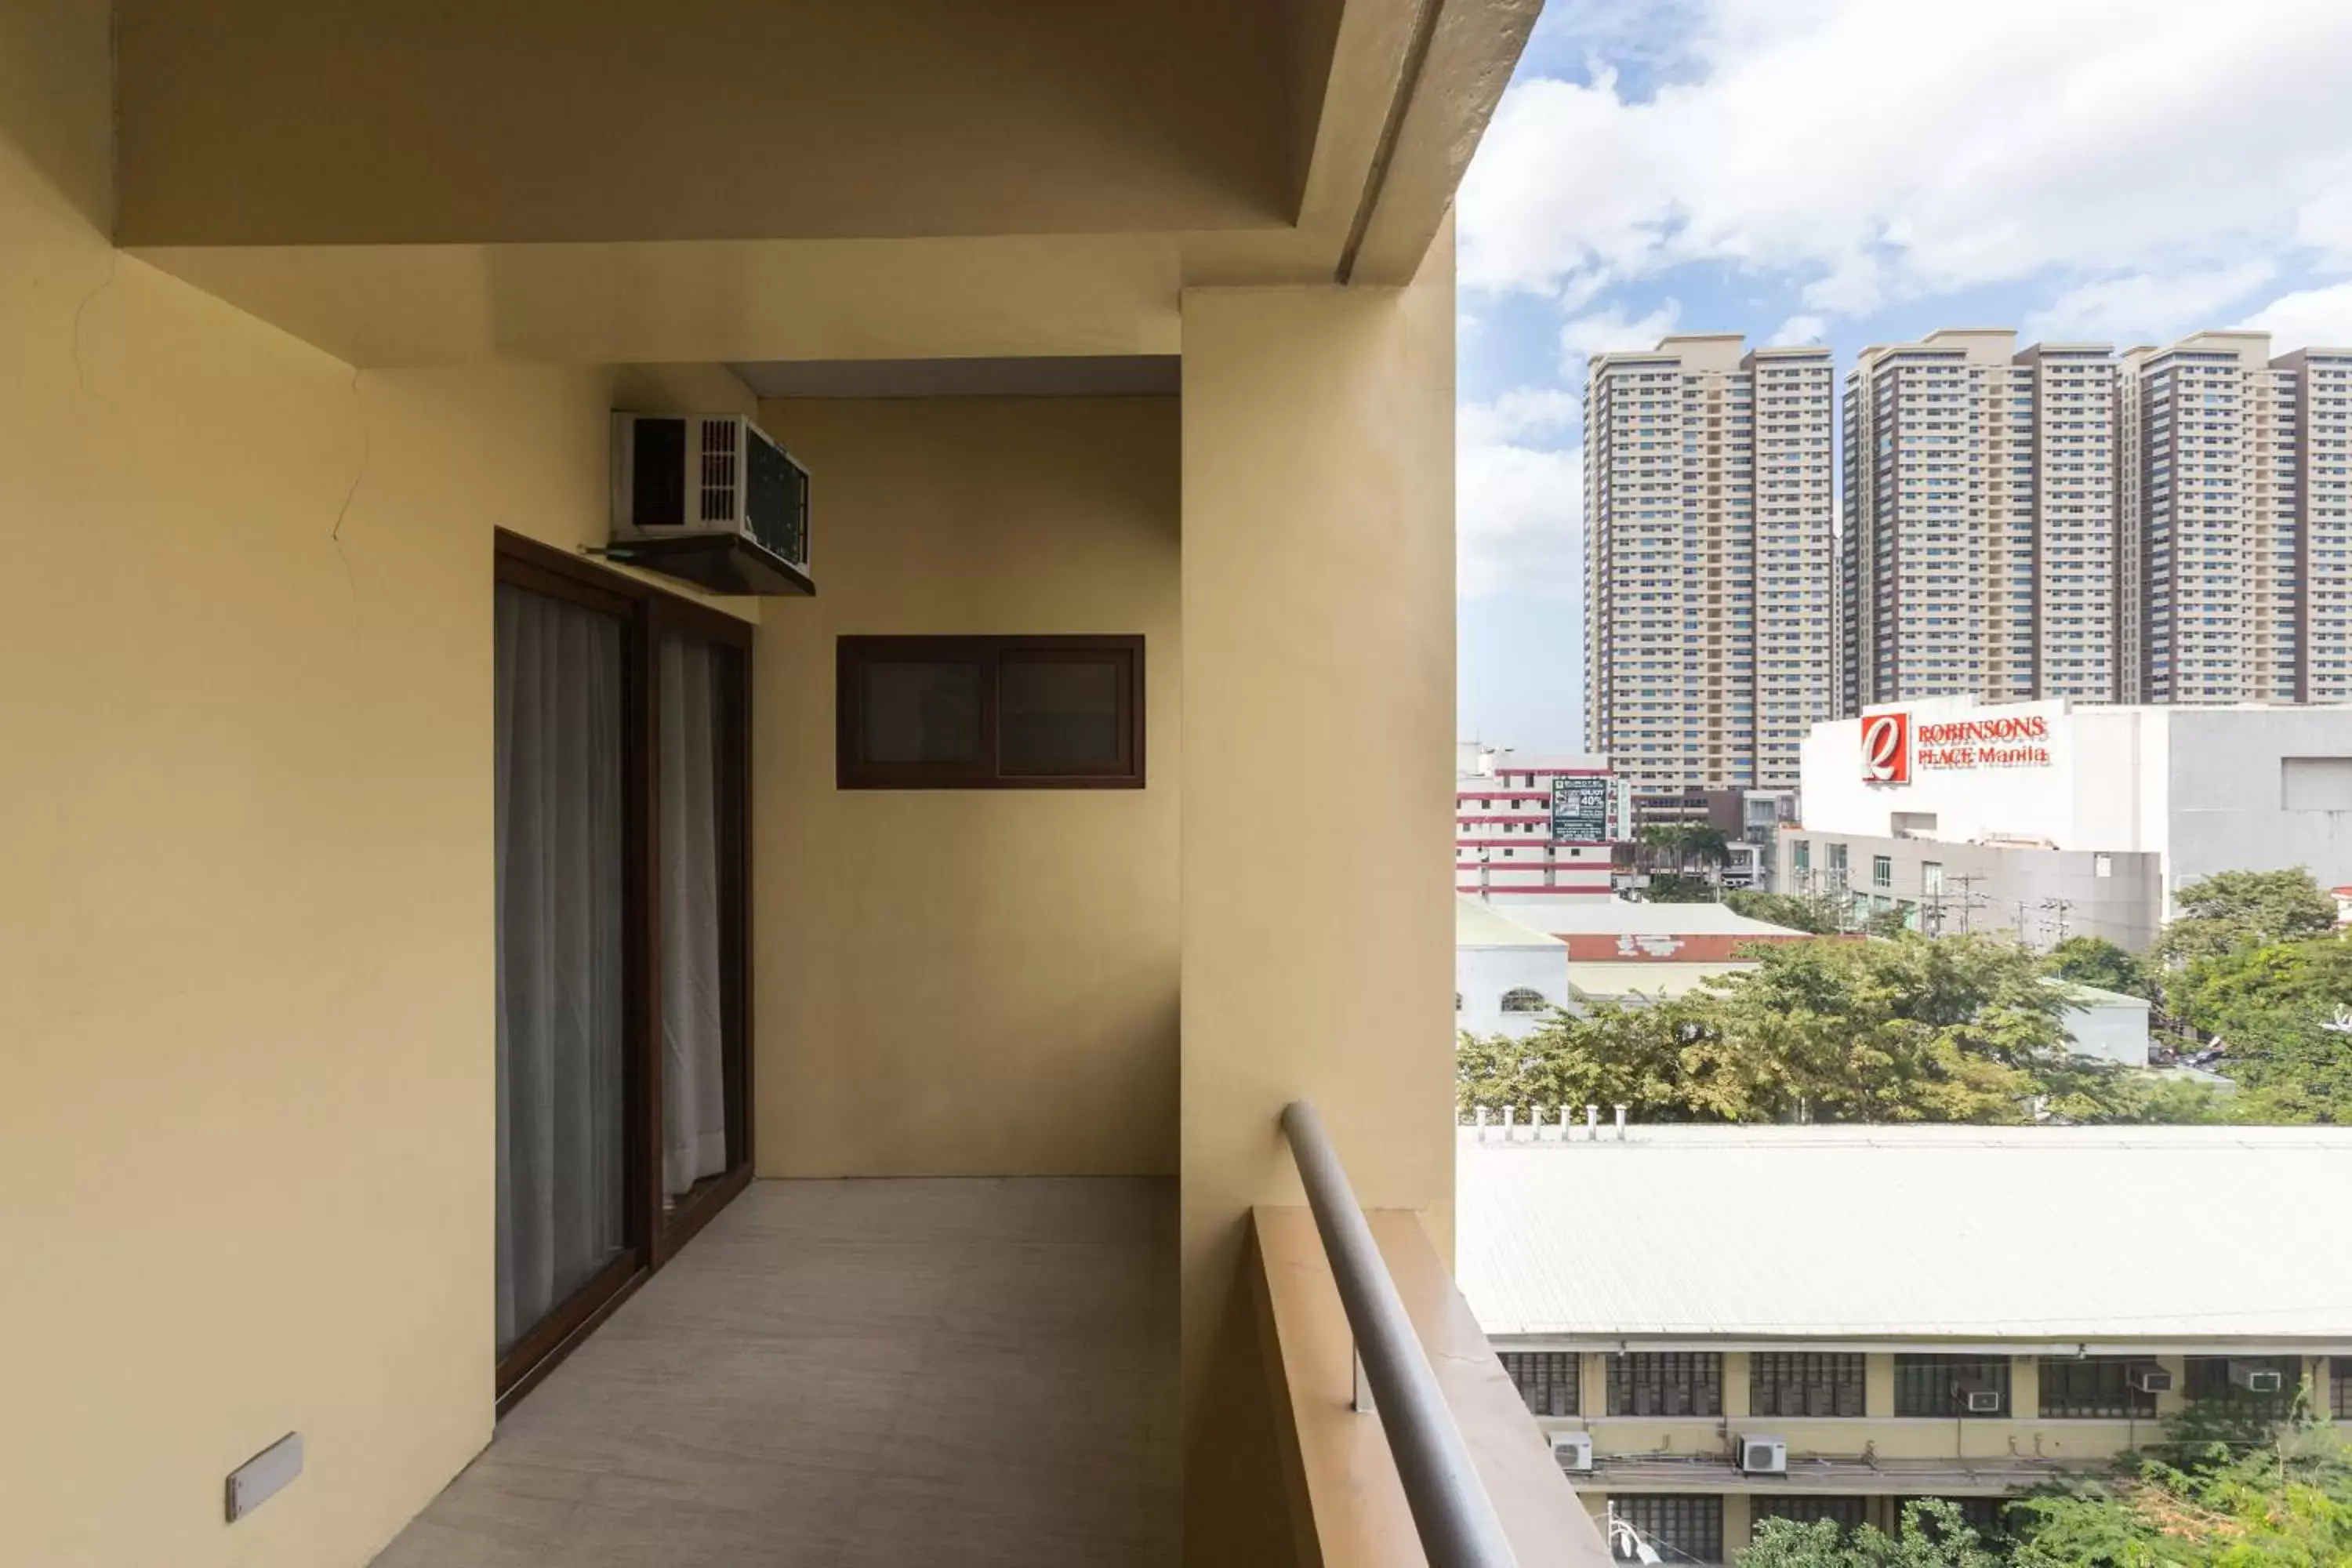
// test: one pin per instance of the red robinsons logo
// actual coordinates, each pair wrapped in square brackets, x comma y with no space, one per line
[1886,748]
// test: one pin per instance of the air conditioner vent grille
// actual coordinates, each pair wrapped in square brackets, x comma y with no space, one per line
[718,470]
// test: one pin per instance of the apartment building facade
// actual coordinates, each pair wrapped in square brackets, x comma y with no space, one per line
[1709,573]
[1719,1325]
[1536,827]
[1978,551]
[2235,484]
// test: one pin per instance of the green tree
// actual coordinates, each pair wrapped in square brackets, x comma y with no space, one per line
[1819,913]
[1680,847]
[2280,1011]
[1678,888]
[1956,1029]
[1934,1535]
[1886,923]
[2203,1498]
[2230,910]
[2095,960]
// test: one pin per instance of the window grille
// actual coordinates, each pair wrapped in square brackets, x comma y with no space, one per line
[1672,1383]
[1928,1384]
[1846,1512]
[2082,1388]
[1547,1379]
[1789,1384]
[2208,1382]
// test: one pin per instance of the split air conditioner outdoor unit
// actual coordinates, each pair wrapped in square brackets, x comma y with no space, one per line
[1573,1450]
[1978,1398]
[2255,1378]
[1763,1457]
[2151,1380]
[711,498]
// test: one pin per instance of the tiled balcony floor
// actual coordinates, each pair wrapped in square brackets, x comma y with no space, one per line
[850,1373]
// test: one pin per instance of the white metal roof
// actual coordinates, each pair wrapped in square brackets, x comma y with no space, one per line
[1477,925]
[1616,917]
[1651,978]
[1870,1234]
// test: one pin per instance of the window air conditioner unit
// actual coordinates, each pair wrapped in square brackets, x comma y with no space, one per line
[711,498]
[2255,1378]
[1573,1450]
[1978,1398]
[2151,1380]
[1763,1457]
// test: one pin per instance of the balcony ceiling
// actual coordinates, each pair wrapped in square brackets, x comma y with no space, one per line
[520,181]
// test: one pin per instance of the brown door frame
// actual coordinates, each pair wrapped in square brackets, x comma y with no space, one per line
[651,1239]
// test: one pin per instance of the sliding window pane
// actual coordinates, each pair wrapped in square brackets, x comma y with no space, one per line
[917,712]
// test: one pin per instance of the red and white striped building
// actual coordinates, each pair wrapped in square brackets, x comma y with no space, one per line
[1503,843]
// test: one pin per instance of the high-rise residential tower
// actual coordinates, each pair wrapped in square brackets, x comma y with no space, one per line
[1978,555]
[1709,581]
[2236,491]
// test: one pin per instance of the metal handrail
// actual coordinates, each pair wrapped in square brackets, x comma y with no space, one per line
[1450,1510]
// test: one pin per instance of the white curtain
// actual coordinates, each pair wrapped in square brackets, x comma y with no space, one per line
[694,1087]
[561,1153]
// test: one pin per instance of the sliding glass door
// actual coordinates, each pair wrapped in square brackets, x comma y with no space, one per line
[563,1241]
[698,690]
[624,997]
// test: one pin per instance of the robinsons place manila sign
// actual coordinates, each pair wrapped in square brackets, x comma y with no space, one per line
[1893,747]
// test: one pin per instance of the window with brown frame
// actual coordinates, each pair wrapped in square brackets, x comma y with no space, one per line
[989,712]
[623,765]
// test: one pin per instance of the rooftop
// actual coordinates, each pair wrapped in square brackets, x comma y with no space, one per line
[2137,1236]
[1482,925]
[1624,917]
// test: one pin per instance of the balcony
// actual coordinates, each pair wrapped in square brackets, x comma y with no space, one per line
[507,1046]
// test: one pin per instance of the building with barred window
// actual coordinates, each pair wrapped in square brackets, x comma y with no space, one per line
[1719,1325]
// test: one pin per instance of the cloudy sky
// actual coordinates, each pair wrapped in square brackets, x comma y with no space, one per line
[1850,171]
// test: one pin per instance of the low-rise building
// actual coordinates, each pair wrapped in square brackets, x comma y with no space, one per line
[2109,1025]
[1716,1325]
[1631,952]
[2051,819]
[1539,828]
[1507,977]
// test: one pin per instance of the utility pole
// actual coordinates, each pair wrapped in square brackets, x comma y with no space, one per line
[1968,899]
[2059,908]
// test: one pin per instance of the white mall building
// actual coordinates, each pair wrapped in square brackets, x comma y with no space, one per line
[2049,819]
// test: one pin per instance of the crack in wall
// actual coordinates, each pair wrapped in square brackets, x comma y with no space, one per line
[367,455]
[81,359]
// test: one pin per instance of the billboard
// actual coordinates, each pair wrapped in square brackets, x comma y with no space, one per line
[1579,808]
[1892,746]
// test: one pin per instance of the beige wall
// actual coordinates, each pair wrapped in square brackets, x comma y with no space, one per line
[1319,603]
[244,924]
[969,980]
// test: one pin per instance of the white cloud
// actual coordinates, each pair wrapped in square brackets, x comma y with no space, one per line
[2310,318]
[1799,330]
[2146,307]
[1519,503]
[1518,412]
[1877,151]
[1581,337]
